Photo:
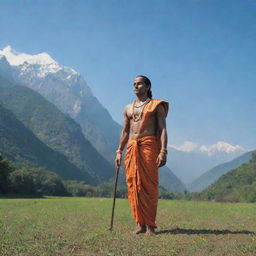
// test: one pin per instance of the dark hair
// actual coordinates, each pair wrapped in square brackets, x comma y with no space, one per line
[148,84]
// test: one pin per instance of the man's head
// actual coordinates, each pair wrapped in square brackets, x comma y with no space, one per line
[142,85]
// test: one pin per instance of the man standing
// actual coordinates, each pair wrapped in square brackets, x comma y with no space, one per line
[145,131]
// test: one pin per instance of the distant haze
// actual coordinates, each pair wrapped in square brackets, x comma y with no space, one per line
[189,161]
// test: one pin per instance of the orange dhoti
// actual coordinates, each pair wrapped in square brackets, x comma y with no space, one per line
[142,179]
[142,170]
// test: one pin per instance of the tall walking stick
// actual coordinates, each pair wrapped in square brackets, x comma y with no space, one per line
[114,199]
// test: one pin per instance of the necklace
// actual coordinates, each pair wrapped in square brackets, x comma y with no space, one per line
[146,101]
[138,116]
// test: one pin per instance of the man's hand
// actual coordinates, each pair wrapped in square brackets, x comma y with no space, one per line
[118,160]
[161,160]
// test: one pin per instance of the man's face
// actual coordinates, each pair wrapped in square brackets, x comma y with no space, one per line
[139,86]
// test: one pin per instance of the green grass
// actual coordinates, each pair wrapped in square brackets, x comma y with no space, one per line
[79,226]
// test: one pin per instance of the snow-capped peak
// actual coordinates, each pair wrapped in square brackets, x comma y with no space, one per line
[221,146]
[16,58]
[40,64]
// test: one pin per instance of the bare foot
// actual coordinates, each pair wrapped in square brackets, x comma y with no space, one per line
[140,229]
[150,231]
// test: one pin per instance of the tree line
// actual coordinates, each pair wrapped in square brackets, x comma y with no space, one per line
[238,185]
[32,180]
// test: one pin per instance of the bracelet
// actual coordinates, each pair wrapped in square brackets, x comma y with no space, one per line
[119,151]
[165,151]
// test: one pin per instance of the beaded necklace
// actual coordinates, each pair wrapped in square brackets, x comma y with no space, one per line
[138,116]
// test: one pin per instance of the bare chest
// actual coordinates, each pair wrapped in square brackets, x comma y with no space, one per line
[136,117]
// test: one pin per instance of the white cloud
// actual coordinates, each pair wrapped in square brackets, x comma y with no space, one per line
[220,146]
[187,146]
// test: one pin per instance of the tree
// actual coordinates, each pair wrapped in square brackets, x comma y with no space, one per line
[79,188]
[253,159]
[22,182]
[36,181]
[5,170]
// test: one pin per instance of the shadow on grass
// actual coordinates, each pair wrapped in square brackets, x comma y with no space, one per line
[178,231]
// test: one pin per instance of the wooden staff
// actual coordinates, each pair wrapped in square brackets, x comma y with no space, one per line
[114,199]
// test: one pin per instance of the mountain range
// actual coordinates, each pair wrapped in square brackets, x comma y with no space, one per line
[67,90]
[215,173]
[189,161]
[238,185]
[20,145]
[59,108]
[54,128]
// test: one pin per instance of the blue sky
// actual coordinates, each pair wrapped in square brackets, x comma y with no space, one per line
[199,54]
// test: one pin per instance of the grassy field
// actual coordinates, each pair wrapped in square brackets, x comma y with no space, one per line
[79,226]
